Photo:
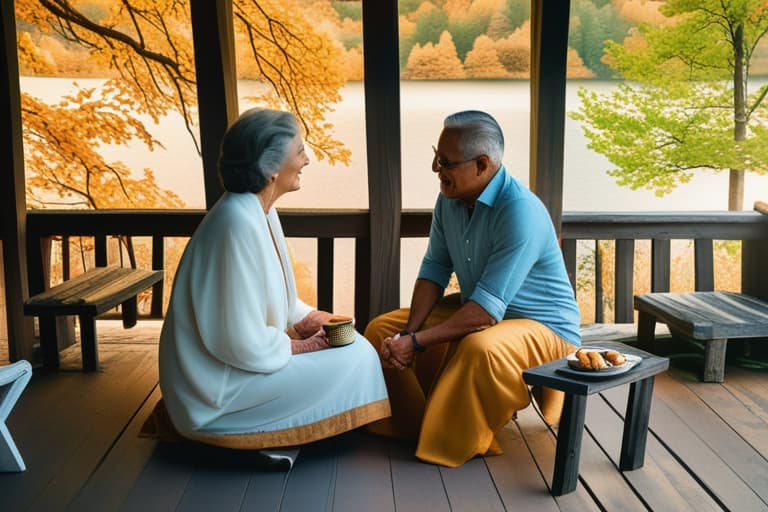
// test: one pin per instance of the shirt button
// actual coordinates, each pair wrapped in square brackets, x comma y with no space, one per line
[469,259]
[467,241]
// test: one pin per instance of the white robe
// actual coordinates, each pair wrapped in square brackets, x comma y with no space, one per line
[225,359]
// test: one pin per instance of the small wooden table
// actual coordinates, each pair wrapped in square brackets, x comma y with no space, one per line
[569,434]
[87,296]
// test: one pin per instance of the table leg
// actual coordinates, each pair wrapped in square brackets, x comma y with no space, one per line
[646,331]
[49,343]
[88,343]
[714,360]
[636,424]
[129,311]
[568,449]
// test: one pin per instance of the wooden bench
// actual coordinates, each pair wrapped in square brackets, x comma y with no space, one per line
[710,317]
[87,296]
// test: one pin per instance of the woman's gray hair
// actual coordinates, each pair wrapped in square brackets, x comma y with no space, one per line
[479,134]
[254,148]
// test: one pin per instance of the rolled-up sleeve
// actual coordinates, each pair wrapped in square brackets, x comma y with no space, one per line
[515,247]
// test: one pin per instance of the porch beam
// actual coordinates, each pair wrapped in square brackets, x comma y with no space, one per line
[13,203]
[549,50]
[214,44]
[382,129]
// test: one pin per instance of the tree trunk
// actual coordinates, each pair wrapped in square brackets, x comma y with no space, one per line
[736,178]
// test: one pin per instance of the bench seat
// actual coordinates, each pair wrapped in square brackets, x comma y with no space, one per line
[710,317]
[88,295]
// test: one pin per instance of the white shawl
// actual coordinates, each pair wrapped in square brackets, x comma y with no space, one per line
[233,298]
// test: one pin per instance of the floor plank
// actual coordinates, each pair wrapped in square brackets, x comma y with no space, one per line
[737,455]
[416,486]
[518,479]
[64,445]
[363,463]
[662,483]
[541,443]
[312,480]
[162,483]
[470,488]
[682,440]
[111,483]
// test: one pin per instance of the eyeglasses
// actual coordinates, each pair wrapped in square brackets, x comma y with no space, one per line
[438,163]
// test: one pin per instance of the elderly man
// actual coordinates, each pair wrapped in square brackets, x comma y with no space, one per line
[453,365]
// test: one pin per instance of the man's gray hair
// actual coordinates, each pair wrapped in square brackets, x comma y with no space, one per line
[479,134]
[254,148]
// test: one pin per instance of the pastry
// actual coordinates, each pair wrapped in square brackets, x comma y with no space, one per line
[596,361]
[583,358]
[615,358]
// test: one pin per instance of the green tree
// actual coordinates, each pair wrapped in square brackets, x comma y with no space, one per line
[430,22]
[686,105]
[591,26]
[434,62]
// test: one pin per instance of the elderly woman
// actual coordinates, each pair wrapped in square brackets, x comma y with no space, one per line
[244,363]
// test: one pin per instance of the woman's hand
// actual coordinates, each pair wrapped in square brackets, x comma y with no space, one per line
[310,323]
[317,341]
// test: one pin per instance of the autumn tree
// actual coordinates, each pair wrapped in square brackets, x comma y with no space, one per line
[686,105]
[145,48]
[434,62]
[467,20]
[428,23]
[514,51]
[482,61]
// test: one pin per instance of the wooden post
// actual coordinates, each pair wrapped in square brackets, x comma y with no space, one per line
[382,123]
[754,254]
[13,205]
[549,49]
[214,41]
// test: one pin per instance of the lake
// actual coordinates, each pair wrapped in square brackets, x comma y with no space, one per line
[424,105]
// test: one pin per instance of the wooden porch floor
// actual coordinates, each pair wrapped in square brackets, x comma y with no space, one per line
[707,450]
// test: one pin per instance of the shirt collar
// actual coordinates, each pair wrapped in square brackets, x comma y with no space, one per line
[491,191]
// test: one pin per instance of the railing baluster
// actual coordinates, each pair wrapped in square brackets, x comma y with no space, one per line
[325,274]
[704,264]
[100,244]
[362,282]
[599,312]
[623,291]
[65,258]
[660,265]
[158,263]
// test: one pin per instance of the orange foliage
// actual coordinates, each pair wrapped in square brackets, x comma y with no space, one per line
[514,51]
[576,67]
[482,61]
[434,62]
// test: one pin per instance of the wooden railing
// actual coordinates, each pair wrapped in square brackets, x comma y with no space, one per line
[327,225]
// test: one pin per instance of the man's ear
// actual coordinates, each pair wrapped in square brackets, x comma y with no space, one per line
[483,164]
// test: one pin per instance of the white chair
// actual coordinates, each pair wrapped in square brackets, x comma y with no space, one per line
[13,380]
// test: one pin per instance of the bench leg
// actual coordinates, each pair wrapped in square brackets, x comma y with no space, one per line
[646,331]
[636,424]
[130,312]
[88,343]
[714,360]
[49,343]
[568,449]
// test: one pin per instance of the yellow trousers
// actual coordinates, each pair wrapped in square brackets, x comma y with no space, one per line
[456,396]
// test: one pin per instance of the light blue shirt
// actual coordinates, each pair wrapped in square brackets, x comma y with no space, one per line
[506,256]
